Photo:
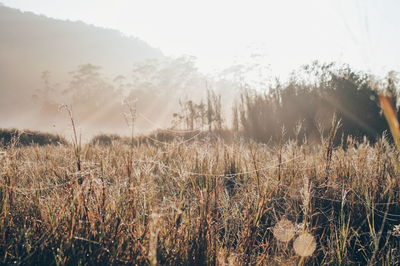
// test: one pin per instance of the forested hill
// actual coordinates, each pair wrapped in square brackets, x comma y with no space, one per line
[31,44]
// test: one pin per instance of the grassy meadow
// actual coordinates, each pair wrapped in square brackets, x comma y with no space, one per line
[221,133]
[306,175]
[200,202]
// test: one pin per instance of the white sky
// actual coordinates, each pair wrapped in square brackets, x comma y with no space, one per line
[363,33]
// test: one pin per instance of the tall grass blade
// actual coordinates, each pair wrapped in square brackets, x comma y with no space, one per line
[390,113]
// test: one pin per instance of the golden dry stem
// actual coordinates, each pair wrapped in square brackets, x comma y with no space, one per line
[153,241]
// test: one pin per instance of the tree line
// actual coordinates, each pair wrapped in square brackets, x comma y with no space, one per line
[303,107]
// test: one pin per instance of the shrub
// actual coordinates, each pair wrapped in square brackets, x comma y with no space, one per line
[164,136]
[105,139]
[29,137]
[337,90]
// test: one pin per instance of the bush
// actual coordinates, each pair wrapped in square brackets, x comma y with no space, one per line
[29,137]
[164,136]
[338,91]
[105,139]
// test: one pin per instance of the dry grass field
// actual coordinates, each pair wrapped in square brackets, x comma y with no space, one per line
[200,203]
[195,133]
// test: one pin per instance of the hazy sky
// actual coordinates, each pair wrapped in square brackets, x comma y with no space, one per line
[364,33]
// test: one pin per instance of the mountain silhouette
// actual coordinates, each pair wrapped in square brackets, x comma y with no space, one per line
[31,44]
